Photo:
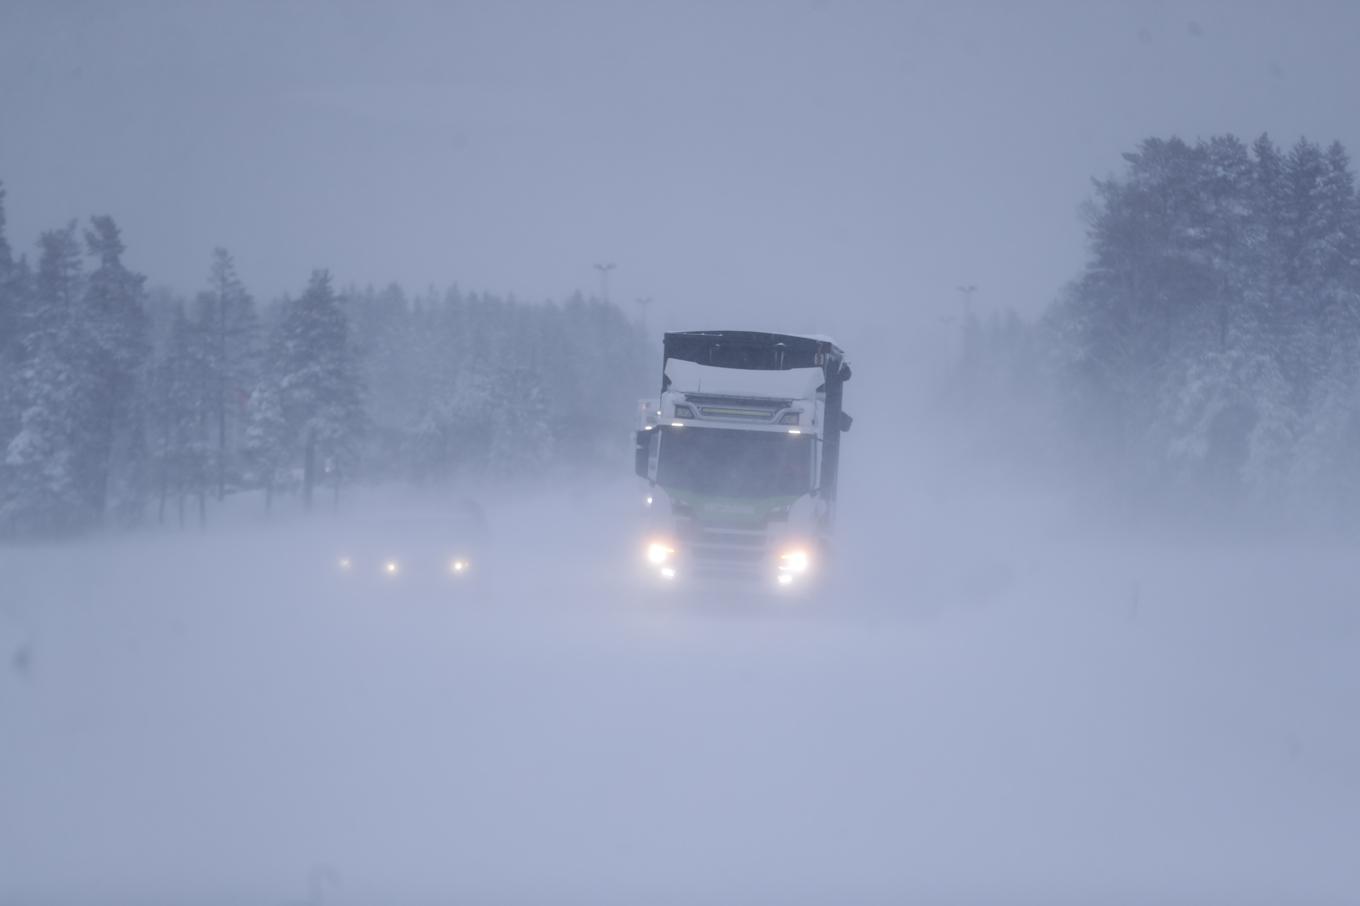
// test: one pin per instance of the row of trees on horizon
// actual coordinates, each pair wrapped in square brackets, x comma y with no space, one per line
[122,405]
[1209,351]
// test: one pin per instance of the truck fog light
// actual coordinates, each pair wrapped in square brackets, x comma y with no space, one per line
[794,561]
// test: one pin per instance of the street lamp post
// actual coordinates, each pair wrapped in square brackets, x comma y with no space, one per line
[604,270]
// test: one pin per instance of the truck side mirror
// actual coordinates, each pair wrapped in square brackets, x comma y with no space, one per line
[846,421]
[642,451]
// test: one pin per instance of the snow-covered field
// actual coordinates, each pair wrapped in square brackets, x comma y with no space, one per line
[990,709]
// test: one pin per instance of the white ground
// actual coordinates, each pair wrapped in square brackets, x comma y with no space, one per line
[988,710]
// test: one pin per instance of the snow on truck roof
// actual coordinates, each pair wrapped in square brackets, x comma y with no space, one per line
[787,383]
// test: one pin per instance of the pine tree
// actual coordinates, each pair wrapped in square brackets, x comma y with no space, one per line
[113,337]
[14,315]
[226,317]
[44,493]
[183,407]
[1328,453]
[267,442]
[10,300]
[320,385]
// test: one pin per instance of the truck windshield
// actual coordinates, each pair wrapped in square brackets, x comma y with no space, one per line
[730,463]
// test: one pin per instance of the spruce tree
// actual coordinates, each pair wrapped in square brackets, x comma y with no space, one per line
[226,317]
[320,385]
[267,441]
[14,294]
[114,336]
[44,492]
[10,301]
[183,413]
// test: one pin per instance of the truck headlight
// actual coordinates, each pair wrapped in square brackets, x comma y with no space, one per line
[659,553]
[794,562]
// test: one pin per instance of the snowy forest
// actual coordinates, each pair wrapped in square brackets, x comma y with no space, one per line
[122,405]
[1210,351]
[1208,355]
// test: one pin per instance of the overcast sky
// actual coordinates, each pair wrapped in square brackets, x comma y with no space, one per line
[797,165]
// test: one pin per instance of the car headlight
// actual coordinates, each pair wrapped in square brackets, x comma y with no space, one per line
[391,567]
[795,562]
[458,566]
[659,552]
[345,563]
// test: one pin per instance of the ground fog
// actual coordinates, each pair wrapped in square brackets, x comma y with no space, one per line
[990,702]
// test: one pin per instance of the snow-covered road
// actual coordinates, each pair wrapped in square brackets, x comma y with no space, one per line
[216,718]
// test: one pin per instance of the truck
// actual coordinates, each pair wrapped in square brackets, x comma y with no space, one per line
[741,455]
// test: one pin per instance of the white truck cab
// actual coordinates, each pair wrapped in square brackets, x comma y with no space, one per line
[742,455]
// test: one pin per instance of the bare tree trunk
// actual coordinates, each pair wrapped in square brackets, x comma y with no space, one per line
[165,455]
[221,395]
[165,491]
[309,470]
[221,450]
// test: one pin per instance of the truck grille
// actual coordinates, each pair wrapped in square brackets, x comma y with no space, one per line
[732,547]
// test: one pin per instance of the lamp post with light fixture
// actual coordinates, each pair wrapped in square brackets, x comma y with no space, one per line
[604,270]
